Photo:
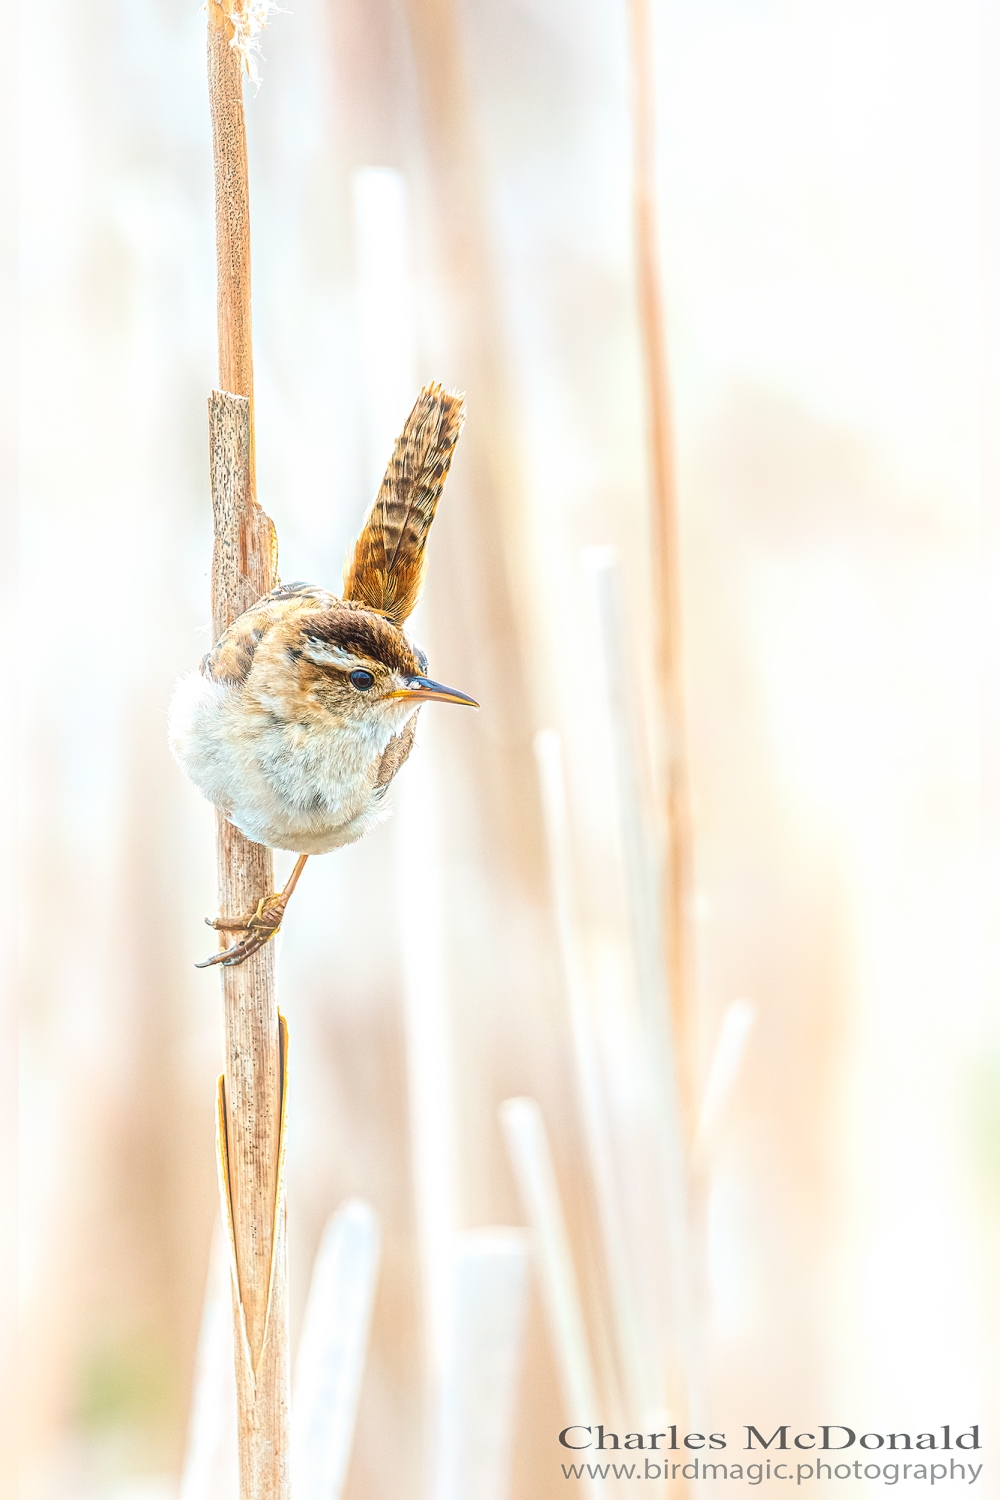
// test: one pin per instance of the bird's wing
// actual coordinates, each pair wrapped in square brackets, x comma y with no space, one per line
[385,570]
[395,754]
[231,658]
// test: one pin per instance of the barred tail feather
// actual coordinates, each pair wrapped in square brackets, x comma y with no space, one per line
[386,568]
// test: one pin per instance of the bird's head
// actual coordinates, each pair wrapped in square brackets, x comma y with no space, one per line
[358,666]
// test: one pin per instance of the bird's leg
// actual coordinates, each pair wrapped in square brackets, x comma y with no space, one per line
[260,927]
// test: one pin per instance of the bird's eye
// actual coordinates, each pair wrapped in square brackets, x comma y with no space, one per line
[362,680]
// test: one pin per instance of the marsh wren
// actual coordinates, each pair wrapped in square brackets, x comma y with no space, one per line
[296,722]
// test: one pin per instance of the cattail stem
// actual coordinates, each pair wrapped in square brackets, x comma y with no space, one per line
[252,1088]
[232,213]
[665,548]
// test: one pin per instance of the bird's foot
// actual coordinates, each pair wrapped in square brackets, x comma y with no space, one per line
[260,928]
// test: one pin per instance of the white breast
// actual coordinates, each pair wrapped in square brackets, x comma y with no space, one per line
[289,786]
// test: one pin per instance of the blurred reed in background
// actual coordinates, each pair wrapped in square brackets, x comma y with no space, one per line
[443,191]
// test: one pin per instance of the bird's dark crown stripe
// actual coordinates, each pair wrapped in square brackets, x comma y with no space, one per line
[362,634]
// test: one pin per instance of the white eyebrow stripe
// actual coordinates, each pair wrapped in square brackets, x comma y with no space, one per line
[324,654]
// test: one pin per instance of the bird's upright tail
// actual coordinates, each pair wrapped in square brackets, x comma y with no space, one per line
[385,570]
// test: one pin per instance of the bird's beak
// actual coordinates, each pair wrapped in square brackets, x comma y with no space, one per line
[423,688]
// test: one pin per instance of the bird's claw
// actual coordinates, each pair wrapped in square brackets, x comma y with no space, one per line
[259,928]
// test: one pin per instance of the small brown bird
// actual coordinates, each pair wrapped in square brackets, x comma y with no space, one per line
[296,722]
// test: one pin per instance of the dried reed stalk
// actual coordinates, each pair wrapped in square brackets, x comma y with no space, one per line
[211,1468]
[679,858]
[476,1419]
[530,1156]
[332,1350]
[594,1105]
[251,1091]
[482,542]
[660,1047]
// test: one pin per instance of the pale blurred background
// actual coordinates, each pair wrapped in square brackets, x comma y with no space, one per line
[820,212]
